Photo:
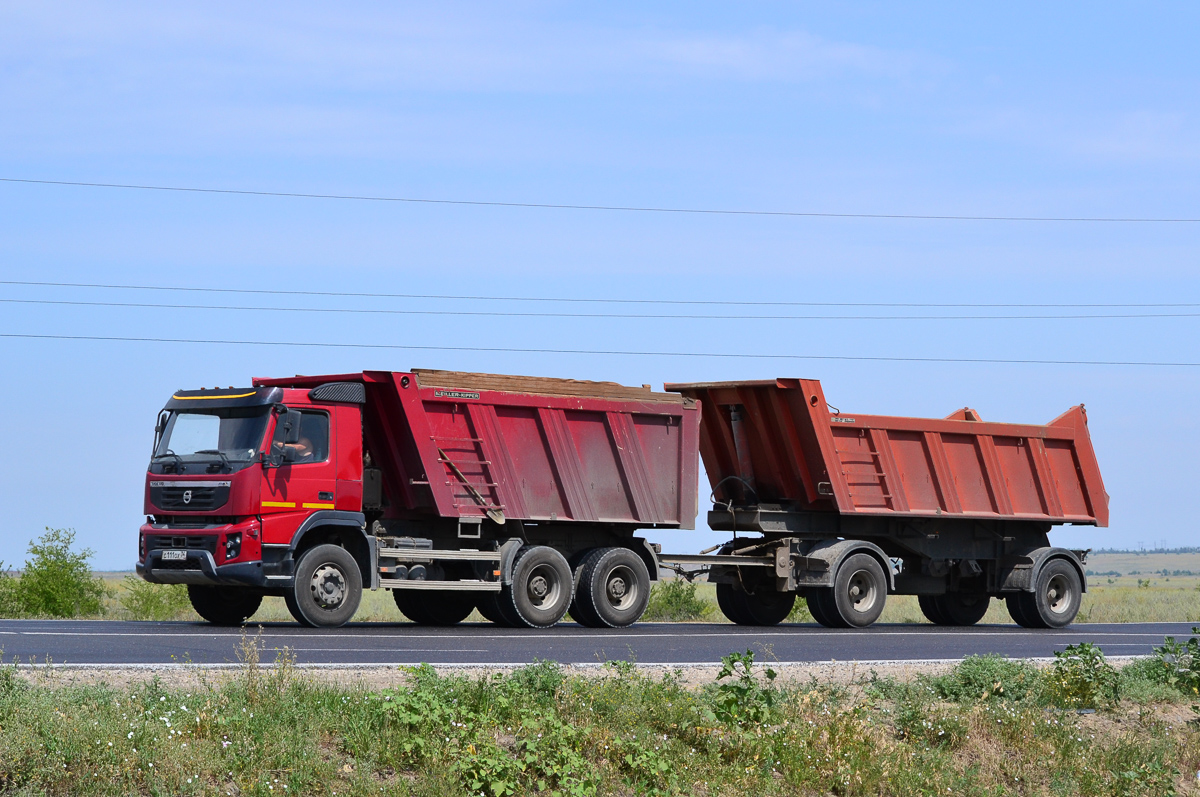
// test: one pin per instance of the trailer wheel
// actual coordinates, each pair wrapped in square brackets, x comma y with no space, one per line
[1055,600]
[816,606]
[613,590]
[858,593]
[956,608]
[541,589]
[328,586]
[1016,610]
[746,608]
[224,605]
[434,607]
[932,609]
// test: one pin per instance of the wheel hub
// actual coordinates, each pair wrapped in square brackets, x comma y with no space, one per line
[538,587]
[616,588]
[328,587]
[1058,595]
[861,591]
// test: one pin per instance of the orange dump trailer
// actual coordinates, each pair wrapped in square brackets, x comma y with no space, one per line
[851,506]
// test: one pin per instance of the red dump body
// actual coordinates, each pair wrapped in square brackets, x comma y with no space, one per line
[794,450]
[461,445]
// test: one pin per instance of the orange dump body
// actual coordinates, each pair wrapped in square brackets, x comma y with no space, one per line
[777,442]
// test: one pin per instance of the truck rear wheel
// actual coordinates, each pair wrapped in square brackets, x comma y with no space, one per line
[489,607]
[746,608]
[954,608]
[541,589]
[857,596]
[327,588]
[613,589]
[434,607]
[224,605]
[1055,600]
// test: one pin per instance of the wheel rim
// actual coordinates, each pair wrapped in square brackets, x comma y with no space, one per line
[862,591]
[1059,595]
[543,587]
[621,588]
[328,587]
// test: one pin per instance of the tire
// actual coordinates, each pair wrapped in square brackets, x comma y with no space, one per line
[613,589]
[962,608]
[327,588]
[541,590]
[859,592]
[729,599]
[1016,610]
[931,608]
[819,599]
[1056,598]
[434,607]
[749,608]
[224,605]
[289,599]
[488,606]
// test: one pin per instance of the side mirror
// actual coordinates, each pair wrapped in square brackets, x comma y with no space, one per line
[289,454]
[291,427]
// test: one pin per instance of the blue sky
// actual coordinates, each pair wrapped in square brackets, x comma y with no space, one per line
[1021,110]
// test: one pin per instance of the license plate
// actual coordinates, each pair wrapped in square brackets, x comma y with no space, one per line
[174,556]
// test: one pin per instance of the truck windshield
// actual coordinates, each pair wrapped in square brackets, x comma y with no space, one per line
[231,434]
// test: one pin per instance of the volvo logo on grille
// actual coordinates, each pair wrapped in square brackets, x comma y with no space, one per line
[187,496]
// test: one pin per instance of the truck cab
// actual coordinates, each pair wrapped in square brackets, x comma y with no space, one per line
[242,483]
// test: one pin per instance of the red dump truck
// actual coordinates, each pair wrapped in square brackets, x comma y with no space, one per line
[518,496]
[522,497]
[846,508]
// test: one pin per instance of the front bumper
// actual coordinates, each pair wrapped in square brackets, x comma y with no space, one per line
[200,568]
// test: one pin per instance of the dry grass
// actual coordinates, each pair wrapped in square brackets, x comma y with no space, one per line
[1111,599]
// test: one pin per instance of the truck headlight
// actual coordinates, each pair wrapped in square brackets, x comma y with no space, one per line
[233,546]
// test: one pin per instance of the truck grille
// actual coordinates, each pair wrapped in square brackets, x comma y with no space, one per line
[192,542]
[189,496]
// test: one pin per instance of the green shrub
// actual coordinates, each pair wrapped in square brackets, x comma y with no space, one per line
[56,581]
[986,678]
[10,594]
[1082,678]
[742,699]
[145,601]
[1145,681]
[1179,664]
[676,600]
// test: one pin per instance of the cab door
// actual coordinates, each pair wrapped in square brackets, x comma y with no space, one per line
[306,484]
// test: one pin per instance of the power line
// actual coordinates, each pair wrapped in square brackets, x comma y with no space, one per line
[577,300]
[506,350]
[648,316]
[618,208]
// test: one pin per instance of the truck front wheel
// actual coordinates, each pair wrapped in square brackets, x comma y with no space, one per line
[759,608]
[327,589]
[224,605]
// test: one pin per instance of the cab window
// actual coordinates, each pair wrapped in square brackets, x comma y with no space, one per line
[313,445]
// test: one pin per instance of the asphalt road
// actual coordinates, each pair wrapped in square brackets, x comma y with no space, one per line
[98,642]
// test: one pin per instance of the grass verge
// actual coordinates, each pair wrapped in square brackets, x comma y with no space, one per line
[988,727]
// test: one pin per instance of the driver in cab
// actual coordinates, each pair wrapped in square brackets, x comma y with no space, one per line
[298,452]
